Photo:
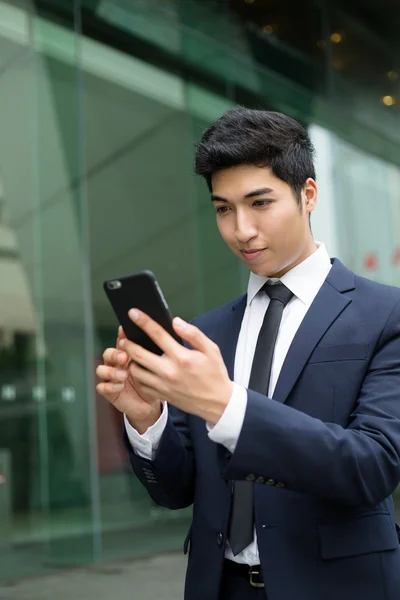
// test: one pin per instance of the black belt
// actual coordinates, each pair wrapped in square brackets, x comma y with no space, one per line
[253,573]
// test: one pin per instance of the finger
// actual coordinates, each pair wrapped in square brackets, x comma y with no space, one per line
[110,374]
[146,378]
[196,338]
[157,333]
[143,357]
[113,357]
[121,333]
[109,389]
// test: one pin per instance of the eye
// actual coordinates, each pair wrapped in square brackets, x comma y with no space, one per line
[262,203]
[220,210]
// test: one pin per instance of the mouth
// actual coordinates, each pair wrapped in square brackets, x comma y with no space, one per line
[251,255]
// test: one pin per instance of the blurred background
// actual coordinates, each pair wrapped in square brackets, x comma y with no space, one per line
[101,103]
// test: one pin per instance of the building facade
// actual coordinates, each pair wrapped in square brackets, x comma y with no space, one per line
[101,103]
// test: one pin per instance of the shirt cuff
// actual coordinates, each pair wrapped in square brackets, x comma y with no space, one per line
[227,430]
[146,445]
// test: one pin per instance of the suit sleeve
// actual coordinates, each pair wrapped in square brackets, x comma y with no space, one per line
[169,478]
[357,465]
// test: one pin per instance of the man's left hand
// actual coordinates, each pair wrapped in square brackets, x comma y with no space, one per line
[195,381]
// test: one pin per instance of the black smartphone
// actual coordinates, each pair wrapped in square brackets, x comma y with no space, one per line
[139,290]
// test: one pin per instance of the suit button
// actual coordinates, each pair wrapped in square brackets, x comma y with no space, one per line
[260,480]
[270,482]
[250,478]
[220,538]
[280,485]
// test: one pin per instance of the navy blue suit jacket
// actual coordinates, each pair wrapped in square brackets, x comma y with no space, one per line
[324,453]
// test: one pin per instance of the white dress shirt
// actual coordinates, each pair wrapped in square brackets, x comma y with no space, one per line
[304,281]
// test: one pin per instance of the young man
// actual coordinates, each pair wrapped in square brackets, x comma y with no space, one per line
[282,422]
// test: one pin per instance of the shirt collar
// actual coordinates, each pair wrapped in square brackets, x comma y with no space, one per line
[304,280]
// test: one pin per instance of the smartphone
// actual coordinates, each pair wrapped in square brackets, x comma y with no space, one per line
[139,290]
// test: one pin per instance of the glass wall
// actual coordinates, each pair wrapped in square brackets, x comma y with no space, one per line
[47,404]
[100,105]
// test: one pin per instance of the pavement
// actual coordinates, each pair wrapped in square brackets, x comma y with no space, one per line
[159,577]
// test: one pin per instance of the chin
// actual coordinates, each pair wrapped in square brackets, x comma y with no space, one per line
[262,270]
[269,270]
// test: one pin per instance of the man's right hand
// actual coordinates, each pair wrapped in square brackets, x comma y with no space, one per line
[119,388]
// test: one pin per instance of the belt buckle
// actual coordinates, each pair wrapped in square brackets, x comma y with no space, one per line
[255,584]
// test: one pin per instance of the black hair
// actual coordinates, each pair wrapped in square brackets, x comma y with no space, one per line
[261,138]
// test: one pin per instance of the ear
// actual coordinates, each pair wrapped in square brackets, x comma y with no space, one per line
[310,193]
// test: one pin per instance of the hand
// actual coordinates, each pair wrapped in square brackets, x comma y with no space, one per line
[120,389]
[196,381]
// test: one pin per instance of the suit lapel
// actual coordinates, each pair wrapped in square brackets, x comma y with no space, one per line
[327,306]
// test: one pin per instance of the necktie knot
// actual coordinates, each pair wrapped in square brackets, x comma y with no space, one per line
[278,291]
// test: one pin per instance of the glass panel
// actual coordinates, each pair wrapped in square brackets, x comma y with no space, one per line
[365,76]
[45,441]
[156,21]
[285,37]
[139,188]
[63,273]
[23,490]
[366,226]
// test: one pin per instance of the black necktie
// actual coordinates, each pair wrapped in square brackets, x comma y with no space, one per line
[242,516]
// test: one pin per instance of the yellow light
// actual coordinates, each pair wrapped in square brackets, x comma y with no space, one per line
[336,38]
[268,29]
[388,100]
[393,75]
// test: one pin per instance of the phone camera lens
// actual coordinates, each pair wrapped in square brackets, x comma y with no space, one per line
[114,285]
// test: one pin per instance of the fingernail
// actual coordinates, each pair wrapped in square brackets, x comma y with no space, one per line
[118,387]
[122,343]
[134,314]
[180,323]
[121,357]
[121,374]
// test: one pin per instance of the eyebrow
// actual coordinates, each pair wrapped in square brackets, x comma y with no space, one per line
[253,194]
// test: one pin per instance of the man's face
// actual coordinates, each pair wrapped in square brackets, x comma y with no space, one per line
[260,218]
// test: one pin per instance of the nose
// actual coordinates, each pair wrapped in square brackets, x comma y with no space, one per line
[245,227]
